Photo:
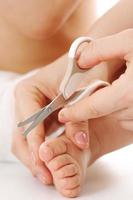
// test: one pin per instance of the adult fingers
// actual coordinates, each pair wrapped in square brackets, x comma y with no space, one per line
[78,133]
[21,151]
[26,106]
[34,139]
[101,103]
[115,46]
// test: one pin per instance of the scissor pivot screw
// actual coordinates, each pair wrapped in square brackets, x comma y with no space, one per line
[49,110]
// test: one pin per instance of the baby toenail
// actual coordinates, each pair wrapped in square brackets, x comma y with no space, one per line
[81,138]
[47,154]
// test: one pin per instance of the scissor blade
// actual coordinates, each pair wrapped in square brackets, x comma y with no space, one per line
[57,103]
[43,115]
[31,118]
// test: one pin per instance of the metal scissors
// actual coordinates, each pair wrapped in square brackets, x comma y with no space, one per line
[69,93]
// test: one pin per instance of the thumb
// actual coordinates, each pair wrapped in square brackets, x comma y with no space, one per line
[26,106]
[115,46]
[101,103]
[78,133]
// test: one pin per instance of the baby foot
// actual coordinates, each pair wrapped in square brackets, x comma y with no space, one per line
[67,164]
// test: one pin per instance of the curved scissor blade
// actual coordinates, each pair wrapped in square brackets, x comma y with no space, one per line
[57,103]
[42,116]
[31,118]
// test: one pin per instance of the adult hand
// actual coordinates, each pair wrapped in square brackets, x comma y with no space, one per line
[117,97]
[31,93]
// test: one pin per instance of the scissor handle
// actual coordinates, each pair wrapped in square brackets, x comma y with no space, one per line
[74,46]
[87,91]
[74,74]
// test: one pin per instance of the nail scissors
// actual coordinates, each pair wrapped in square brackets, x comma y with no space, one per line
[69,92]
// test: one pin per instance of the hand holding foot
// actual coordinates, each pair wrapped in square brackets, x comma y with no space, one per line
[68,164]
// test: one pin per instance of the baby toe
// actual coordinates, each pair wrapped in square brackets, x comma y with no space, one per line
[67,171]
[71,193]
[59,162]
[51,149]
[69,183]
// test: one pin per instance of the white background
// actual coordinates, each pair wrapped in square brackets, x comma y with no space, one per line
[103,5]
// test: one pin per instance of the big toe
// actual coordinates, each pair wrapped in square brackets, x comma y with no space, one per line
[51,149]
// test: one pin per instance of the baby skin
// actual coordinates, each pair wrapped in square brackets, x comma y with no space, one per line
[67,164]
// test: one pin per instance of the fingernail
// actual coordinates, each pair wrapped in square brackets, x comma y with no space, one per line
[47,154]
[81,138]
[21,129]
[62,115]
[33,158]
[42,179]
